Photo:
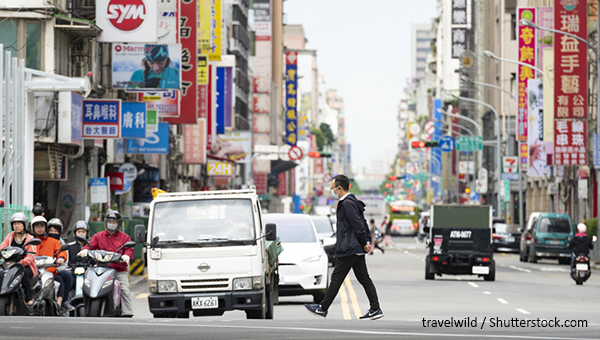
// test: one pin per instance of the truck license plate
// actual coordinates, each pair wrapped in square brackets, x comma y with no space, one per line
[205,302]
[582,266]
[481,270]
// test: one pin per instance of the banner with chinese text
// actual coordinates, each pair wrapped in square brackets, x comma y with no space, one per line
[194,140]
[570,142]
[526,54]
[291,95]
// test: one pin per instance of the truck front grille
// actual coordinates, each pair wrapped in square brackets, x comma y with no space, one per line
[204,284]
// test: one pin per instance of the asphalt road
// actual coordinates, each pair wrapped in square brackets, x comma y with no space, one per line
[538,294]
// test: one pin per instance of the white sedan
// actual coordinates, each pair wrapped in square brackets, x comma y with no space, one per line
[303,263]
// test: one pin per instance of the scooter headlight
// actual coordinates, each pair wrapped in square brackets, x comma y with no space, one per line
[7,253]
[107,283]
[48,282]
[86,282]
[79,271]
[106,258]
[15,282]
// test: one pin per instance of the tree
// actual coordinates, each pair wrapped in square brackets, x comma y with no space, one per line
[323,136]
[319,138]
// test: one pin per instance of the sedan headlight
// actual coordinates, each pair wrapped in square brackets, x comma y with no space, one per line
[7,253]
[107,283]
[313,259]
[167,287]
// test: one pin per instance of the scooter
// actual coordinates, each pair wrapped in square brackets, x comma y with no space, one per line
[49,286]
[580,269]
[12,297]
[101,290]
[78,270]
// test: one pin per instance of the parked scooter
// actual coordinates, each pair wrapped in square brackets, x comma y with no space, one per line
[49,286]
[580,269]
[101,290]
[12,298]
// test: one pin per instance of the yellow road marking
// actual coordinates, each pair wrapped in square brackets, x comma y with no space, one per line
[142,296]
[345,307]
[353,298]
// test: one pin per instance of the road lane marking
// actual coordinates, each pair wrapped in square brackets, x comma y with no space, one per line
[368,332]
[549,269]
[345,307]
[406,252]
[459,278]
[473,285]
[142,296]
[523,311]
[519,268]
[487,293]
[353,298]
[502,301]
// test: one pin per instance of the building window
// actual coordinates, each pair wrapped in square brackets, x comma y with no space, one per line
[513,83]
[513,27]
[27,45]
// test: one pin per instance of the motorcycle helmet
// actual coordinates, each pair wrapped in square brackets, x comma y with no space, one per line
[582,228]
[19,217]
[39,219]
[57,224]
[109,221]
[82,225]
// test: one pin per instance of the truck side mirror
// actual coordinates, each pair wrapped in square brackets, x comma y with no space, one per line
[270,231]
[140,233]
[425,229]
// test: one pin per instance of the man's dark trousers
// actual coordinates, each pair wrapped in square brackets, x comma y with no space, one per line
[342,268]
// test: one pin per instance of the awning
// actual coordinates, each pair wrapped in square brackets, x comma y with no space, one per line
[280,166]
[77,26]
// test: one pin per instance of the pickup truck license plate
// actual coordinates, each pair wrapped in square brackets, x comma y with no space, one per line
[581,266]
[481,270]
[205,302]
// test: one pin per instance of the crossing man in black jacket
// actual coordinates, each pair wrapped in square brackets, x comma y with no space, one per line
[353,242]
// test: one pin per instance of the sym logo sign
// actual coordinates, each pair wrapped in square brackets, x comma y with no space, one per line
[127,20]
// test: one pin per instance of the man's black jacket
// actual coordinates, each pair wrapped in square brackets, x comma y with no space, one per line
[581,245]
[352,229]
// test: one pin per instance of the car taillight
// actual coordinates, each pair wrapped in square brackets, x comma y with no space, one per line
[496,237]
[582,259]
[486,259]
[435,258]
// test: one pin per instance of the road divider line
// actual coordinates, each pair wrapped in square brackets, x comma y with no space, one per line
[353,297]
[142,296]
[459,278]
[502,301]
[473,285]
[519,269]
[487,293]
[523,311]
[345,307]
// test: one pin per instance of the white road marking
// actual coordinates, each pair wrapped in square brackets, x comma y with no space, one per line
[406,252]
[487,293]
[459,278]
[473,285]
[519,269]
[502,265]
[502,301]
[523,311]
[422,260]
[552,269]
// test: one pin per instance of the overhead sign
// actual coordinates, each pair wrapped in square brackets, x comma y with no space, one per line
[510,164]
[156,142]
[523,157]
[165,103]
[291,95]
[117,180]
[537,147]
[139,66]
[133,120]
[447,143]
[596,151]
[99,190]
[194,143]
[101,118]
[469,143]
[510,177]
[570,142]
[127,20]
[235,146]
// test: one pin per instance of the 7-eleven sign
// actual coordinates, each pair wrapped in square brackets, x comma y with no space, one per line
[510,164]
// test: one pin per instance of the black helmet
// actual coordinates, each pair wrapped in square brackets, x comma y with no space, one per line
[82,225]
[19,217]
[57,224]
[113,216]
[39,219]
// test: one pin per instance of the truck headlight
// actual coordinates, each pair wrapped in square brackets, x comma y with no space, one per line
[152,286]
[167,287]
[242,283]
[313,259]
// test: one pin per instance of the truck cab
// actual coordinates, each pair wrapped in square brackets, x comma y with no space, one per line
[460,242]
[207,253]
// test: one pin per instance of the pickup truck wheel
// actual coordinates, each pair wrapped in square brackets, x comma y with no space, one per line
[492,275]
[428,275]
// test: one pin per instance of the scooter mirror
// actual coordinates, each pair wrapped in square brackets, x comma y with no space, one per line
[33,242]
[129,244]
[64,247]
[81,239]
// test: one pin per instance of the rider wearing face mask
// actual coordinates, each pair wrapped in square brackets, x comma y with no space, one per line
[19,237]
[49,247]
[111,240]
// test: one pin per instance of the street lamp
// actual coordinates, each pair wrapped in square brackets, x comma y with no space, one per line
[498,164]
[529,23]
[449,129]
[493,56]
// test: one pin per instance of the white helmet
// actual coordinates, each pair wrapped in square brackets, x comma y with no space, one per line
[582,228]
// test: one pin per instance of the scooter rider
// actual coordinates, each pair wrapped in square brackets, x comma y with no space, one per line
[581,243]
[49,247]
[111,240]
[82,229]
[19,236]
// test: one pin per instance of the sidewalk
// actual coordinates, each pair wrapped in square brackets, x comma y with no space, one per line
[136,281]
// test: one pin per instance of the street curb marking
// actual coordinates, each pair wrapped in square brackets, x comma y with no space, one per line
[353,298]
[136,267]
[345,307]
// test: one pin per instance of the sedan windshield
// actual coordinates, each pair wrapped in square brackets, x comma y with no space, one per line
[323,225]
[203,221]
[293,230]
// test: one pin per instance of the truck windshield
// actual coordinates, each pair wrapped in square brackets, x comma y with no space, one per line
[201,221]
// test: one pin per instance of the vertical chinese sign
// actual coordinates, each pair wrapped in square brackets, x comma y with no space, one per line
[291,95]
[214,51]
[570,89]
[189,55]
[460,25]
[526,54]
[194,138]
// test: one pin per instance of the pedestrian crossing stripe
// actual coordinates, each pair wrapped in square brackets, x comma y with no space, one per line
[136,267]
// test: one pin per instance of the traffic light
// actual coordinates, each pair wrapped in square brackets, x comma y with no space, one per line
[424,144]
[388,185]
[467,190]
[325,154]
[314,154]
[393,178]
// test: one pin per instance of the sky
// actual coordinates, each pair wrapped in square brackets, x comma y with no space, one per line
[363,51]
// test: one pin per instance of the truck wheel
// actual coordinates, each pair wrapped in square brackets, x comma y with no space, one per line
[492,275]
[258,313]
[428,274]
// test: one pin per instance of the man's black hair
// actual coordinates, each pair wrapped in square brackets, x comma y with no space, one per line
[372,221]
[343,181]
[37,210]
